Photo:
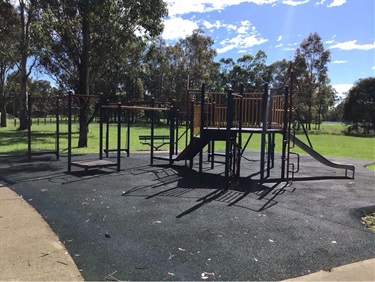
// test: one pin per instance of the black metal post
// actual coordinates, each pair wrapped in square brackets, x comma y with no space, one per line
[101,119]
[177,119]
[239,149]
[29,127]
[285,134]
[106,114]
[264,131]
[201,128]
[171,133]
[228,155]
[69,131]
[57,136]
[118,136]
[192,103]
[128,134]
[152,132]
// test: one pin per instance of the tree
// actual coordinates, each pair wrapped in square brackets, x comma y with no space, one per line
[199,55]
[325,97]
[28,11]
[9,34]
[359,106]
[88,38]
[310,66]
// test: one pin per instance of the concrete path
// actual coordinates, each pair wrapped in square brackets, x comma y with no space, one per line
[29,249]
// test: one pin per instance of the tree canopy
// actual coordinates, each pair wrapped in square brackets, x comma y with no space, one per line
[359,106]
[115,48]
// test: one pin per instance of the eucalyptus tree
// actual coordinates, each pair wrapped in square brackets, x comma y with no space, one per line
[280,73]
[359,105]
[28,12]
[310,64]
[199,55]
[225,69]
[88,39]
[254,71]
[9,35]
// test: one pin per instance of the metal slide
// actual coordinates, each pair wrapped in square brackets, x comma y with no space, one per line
[319,157]
[195,146]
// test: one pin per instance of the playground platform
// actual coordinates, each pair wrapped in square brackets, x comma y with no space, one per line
[166,223]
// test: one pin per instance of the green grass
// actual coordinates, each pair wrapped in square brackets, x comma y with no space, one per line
[329,141]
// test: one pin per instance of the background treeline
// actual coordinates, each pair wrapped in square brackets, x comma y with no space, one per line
[115,48]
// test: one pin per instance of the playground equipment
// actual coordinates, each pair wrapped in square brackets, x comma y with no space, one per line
[218,116]
[31,153]
[154,141]
[98,163]
[225,117]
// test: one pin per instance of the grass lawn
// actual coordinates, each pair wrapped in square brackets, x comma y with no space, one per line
[328,141]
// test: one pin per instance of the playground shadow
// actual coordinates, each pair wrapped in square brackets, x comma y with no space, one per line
[206,187]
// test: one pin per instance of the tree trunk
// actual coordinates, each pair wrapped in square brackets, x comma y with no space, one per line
[3,121]
[23,94]
[84,79]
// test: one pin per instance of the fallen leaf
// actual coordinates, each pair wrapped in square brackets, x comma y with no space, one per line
[172,274]
[181,249]
[205,275]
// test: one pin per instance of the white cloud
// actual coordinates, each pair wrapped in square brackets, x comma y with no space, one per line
[295,2]
[176,28]
[339,62]
[342,89]
[279,38]
[352,45]
[279,45]
[336,3]
[246,37]
[373,68]
[181,7]
[332,40]
[321,2]
[209,25]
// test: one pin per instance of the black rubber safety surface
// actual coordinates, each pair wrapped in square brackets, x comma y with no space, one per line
[169,223]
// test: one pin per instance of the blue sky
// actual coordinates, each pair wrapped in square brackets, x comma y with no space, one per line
[238,27]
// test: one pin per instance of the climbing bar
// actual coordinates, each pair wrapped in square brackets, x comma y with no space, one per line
[136,108]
